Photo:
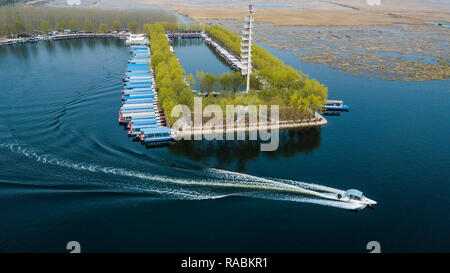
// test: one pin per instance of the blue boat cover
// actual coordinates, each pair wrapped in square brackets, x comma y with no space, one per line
[132,101]
[141,117]
[132,94]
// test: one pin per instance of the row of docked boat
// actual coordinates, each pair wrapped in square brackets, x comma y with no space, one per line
[140,113]
[121,36]
[15,41]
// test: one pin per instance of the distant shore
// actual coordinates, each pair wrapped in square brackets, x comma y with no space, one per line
[318,120]
[295,12]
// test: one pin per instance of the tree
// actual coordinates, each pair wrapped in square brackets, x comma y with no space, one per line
[210,82]
[6,29]
[45,26]
[133,27]
[29,28]
[157,58]
[146,28]
[191,81]
[19,28]
[88,26]
[116,26]
[61,25]
[168,105]
[103,28]
[74,25]
[225,81]
[201,81]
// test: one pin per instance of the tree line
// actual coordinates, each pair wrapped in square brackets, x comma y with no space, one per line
[20,19]
[73,25]
[175,27]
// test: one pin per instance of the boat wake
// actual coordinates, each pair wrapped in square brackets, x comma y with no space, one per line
[211,184]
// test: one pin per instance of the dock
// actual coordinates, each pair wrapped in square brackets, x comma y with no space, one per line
[140,113]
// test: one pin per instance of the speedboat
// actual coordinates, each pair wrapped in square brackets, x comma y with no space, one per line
[355,196]
[336,105]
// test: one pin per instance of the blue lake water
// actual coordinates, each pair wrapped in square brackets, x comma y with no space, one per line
[69,172]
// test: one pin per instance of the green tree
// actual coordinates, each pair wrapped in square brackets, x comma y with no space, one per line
[74,25]
[19,28]
[201,82]
[88,26]
[103,28]
[61,25]
[210,82]
[225,81]
[6,30]
[168,105]
[133,27]
[45,26]
[157,58]
[116,26]
[146,27]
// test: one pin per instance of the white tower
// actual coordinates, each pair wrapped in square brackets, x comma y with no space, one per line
[246,45]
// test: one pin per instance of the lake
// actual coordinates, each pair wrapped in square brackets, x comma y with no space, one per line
[69,172]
